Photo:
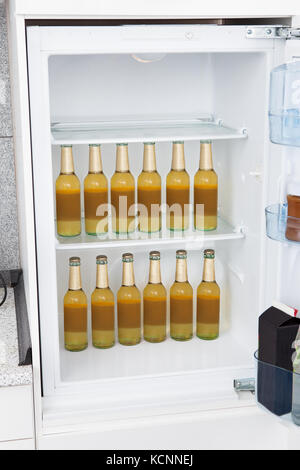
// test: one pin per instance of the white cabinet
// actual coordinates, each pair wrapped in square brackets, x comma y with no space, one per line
[26,444]
[16,411]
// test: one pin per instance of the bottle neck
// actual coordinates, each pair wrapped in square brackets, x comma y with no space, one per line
[122,164]
[75,278]
[67,163]
[149,158]
[209,270]
[128,274]
[95,161]
[181,270]
[154,273]
[102,276]
[178,162]
[206,162]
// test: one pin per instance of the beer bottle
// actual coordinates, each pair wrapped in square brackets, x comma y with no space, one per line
[155,303]
[129,305]
[208,300]
[205,191]
[181,301]
[149,192]
[75,310]
[68,211]
[103,308]
[95,194]
[178,191]
[122,193]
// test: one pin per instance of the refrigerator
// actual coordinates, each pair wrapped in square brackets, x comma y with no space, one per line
[125,81]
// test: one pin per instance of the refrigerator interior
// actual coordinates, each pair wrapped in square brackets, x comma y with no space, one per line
[119,88]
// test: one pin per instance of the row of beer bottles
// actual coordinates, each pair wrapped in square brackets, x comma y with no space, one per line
[68,210]
[129,305]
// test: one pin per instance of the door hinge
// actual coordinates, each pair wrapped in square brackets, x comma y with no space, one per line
[272,32]
[244,385]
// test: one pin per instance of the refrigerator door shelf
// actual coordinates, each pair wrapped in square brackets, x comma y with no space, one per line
[276,223]
[191,239]
[143,130]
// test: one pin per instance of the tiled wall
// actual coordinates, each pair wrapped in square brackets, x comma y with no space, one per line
[9,245]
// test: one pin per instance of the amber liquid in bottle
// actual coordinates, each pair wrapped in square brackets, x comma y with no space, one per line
[129,306]
[293,220]
[95,195]
[181,301]
[68,211]
[205,191]
[149,193]
[123,194]
[75,310]
[208,300]
[155,303]
[178,191]
[103,308]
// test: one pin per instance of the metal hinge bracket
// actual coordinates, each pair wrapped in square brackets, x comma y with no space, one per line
[244,385]
[272,32]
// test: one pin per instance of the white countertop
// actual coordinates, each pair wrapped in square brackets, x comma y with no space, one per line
[10,372]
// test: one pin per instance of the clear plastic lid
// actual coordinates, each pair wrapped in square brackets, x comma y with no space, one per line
[284,104]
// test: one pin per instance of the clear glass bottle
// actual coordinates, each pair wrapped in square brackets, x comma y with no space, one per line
[123,193]
[178,191]
[149,192]
[181,301]
[75,310]
[206,191]
[129,305]
[155,303]
[68,210]
[103,308]
[95,194]
[208,300]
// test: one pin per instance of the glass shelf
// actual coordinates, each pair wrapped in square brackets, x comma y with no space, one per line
[192,239]
[158,129]
[276,222]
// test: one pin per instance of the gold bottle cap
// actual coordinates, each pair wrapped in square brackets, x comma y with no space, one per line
[154,272]
[127,258]
[122,161]
[102,274]
[154,255]
[149,163]
[178,160]
[181,254]
[209,254]
[206,162]
[74,275]
[209,266]
[67,163]
[101,259]
[74,261]
[95,162]
[181,266]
